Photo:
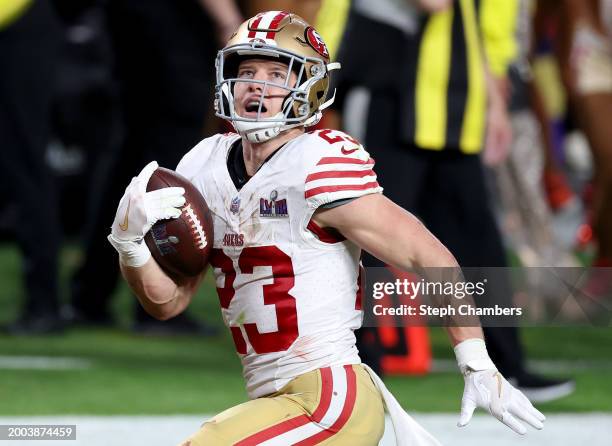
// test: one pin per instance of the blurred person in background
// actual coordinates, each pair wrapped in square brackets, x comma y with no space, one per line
[307,9]
[549,102]
[163,51]
[85,131]
[526,213]
[30,35]
[585,52]
[430,102]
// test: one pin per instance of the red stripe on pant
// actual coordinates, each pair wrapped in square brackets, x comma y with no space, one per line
[347,410]
[327,384]
[274,431]
[295,422]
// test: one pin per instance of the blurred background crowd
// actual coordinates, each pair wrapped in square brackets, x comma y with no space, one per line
[489,119]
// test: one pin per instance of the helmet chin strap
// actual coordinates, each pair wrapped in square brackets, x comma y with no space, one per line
[257,132]
[264,134]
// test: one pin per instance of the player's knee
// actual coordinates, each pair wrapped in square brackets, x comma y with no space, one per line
[209,434]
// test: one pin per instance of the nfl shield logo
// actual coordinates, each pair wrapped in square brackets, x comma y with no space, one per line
[235,206]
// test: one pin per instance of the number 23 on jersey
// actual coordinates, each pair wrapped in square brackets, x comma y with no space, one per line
[276,293]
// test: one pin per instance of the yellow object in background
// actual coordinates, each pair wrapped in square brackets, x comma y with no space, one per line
[498,24]
[448,111]
[547,78]
[433,72]
[11,10]
[330,23]
[474,120]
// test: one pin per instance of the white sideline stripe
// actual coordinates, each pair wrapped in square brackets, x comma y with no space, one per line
[339,393]
[438,365]
[560,430]
[44,363]
[542,366]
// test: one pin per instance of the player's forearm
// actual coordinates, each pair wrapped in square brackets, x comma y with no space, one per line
[428,252]
[224,13]
[457,335]
[159,295]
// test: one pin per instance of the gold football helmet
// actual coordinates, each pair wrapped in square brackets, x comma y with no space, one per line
[286,37]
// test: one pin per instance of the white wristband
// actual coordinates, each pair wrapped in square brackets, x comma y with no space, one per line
[134,254]
[472,356]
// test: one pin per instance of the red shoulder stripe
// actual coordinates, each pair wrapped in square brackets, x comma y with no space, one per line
[339,174]
[343,160]
[340,187]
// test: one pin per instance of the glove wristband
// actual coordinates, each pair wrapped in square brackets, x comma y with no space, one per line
[133,254]
[472,356]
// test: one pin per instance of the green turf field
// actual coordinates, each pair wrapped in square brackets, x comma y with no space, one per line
[128,374]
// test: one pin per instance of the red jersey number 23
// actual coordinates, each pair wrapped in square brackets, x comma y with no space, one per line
[276,293]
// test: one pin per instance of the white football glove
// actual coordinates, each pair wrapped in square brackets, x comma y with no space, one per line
[485,387]
[138,210]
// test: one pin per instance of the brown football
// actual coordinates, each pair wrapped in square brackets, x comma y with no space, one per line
[181,246]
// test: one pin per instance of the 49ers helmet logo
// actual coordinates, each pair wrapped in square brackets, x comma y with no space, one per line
[316,41]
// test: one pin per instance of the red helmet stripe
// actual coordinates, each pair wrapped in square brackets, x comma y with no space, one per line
[274,24]
[255,26]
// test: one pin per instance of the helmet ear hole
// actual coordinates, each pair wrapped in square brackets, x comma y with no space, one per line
[225,92]
[289,106]
[226,104]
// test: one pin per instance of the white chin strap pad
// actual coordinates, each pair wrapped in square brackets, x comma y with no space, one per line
[259,131]
[263,134]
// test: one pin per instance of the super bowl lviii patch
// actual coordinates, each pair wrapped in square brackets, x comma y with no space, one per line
[273,206]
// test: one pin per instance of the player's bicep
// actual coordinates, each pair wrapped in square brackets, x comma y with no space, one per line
[369,221]
[387,231]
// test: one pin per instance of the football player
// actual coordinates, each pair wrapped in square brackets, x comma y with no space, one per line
[292,211]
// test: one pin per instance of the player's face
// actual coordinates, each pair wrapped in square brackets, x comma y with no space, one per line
[248,95]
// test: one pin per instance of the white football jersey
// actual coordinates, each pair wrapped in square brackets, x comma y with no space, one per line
[288,289]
